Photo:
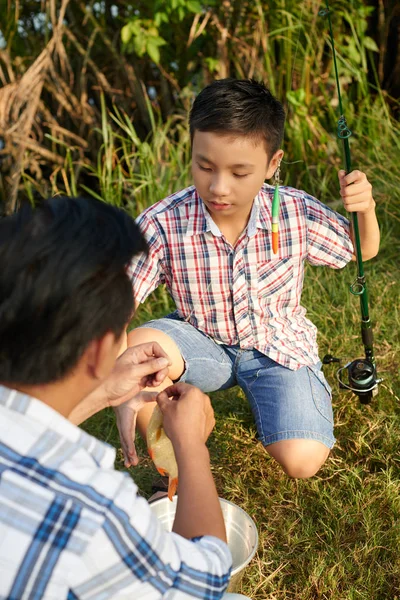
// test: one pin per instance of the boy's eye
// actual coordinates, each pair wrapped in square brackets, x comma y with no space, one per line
[204,168]
[240,175]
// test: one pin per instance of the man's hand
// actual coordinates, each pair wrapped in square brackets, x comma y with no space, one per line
[356,192]
[145,365]
[188,417]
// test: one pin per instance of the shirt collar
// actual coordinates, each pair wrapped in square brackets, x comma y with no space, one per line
[260,216]
[36,410]
[200,220]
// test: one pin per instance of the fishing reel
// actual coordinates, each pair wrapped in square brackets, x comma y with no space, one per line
[358,376]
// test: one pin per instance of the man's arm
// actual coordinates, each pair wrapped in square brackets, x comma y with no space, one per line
[140,559]
[356,192]
[132,546]
[188,420]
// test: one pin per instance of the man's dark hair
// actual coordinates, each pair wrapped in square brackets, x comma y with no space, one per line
[63,284]
[241,107]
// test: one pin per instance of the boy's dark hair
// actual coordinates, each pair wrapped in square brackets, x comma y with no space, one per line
[239,106]
[63,283]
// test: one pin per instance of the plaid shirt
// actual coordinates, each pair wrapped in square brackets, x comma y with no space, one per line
[244,294]
[71,527]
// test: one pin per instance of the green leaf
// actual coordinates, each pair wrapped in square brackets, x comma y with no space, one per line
[153,51]
[126,33]
[296,97]
[158,41]
[160,17]
[353,52]
[194,6]
[212,64]
[140,44]
[370,44]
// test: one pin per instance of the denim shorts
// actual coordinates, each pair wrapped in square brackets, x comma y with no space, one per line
[285,404]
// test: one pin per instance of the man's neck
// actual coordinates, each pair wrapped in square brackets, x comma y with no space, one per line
[62,395]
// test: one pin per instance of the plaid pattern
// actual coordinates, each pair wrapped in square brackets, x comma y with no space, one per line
[244,295]
[71,527]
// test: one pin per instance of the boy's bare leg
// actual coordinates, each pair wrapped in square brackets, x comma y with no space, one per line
[145,334]
[299,458]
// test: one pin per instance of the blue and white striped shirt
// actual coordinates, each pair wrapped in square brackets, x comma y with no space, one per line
[72,527]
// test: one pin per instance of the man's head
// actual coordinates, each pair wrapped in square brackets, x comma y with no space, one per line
[63,285]
[236,128]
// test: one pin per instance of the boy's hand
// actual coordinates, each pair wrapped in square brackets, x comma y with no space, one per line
[126,415]
[356,192]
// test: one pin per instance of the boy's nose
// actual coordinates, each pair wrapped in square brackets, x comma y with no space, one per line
[219,186]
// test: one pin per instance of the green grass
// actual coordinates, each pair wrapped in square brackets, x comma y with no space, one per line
[337,535]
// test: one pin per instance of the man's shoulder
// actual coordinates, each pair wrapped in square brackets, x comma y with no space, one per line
[176,203]
[71,462]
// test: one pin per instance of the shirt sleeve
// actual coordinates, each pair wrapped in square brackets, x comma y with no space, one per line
[328,235]
[146,271]
[132,556]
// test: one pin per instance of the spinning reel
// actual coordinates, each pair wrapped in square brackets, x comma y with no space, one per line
[358,376]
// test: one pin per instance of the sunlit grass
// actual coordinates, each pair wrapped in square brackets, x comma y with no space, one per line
[337,535]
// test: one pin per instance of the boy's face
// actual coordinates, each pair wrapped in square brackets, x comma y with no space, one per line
[228,172]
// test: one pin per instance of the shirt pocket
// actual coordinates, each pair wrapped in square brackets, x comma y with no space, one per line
[275,278]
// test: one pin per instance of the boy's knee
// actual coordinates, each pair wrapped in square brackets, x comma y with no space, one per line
[302,470]
[144,335]
[299,459]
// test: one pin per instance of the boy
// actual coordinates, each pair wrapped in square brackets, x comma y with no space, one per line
[70,525]
[239,320]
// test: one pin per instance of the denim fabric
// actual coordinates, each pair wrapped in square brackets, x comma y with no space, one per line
[285,404]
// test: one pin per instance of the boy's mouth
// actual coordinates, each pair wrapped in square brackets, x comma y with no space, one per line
[219,205]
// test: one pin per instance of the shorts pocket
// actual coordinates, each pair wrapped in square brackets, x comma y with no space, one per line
[321,392]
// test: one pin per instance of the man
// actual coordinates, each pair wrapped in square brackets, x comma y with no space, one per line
[70,525]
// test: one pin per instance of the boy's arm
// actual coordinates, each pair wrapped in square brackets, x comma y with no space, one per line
[356,192]
[146,269]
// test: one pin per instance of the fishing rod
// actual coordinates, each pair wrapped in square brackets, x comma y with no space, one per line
[359,375]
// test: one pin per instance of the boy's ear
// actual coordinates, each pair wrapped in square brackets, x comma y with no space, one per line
[274,164]
[100,356]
